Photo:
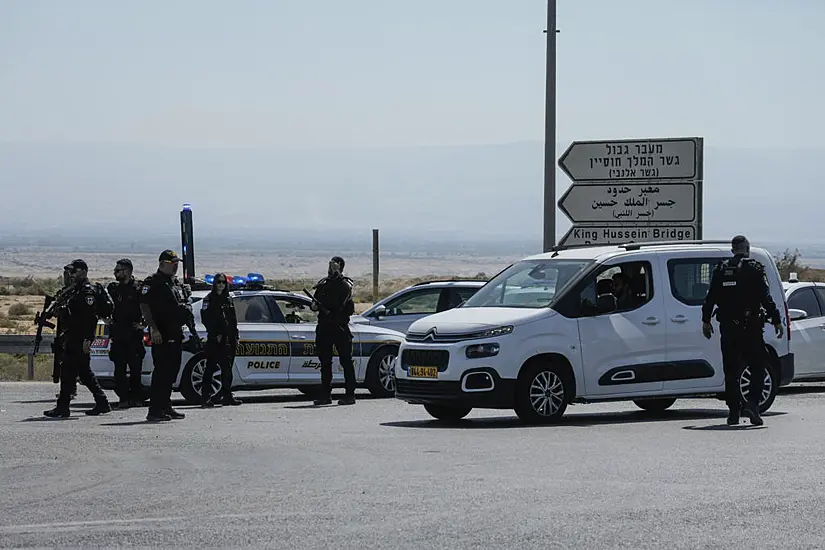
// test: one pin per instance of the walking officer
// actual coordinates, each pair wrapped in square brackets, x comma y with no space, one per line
[739,287]
[126,334]
[333,302]
[165,310]
[78,323]
[218,315]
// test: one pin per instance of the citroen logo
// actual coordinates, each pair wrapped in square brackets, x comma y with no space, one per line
[430,334]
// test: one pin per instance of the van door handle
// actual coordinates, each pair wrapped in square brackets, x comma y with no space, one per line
[679,319]
[651,321]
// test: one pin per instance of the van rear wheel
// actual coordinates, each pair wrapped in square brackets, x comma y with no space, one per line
[769,390]
[654,405]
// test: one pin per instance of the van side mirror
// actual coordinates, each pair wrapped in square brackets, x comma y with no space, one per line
[797,314]
[605,303]
[379,311]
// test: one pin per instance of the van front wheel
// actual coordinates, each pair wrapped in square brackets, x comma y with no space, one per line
[542,393]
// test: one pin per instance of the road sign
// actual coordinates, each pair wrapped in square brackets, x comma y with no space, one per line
[645,160]
[631,202]
[606,234]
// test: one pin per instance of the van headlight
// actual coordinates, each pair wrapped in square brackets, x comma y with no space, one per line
[477,351]
[498,331]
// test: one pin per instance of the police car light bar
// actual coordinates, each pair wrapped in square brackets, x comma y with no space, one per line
[251,279]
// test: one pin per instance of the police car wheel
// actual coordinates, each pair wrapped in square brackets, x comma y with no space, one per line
[380,378]
[769,390]
[542,392]
[654,405]
[446,412]
[192,379]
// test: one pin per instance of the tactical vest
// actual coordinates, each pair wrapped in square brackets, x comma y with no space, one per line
[734,305]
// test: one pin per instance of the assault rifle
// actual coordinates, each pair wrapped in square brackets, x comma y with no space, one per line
[321,307]
[41,318]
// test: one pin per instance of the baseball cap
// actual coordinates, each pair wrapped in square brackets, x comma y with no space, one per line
[75,265]
[168,256]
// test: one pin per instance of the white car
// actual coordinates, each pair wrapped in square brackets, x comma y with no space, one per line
[806,307]
[399,310]
[547,332]
[276,349]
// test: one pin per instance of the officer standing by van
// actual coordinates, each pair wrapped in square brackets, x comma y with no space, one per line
[78,324]
[126,333]
[221,322]
[739,287]
[165,310]
[333,302]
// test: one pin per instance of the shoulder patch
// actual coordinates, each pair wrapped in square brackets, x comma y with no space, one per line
[90,300]
[144,289]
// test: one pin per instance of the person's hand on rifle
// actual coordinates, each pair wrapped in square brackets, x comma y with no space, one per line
[87,347]
[156,337]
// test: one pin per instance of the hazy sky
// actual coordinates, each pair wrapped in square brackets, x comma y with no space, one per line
[355,73]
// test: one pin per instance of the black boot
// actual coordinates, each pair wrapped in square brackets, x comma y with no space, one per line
[752,411]
[100,408]
[323,401]
[733,416]
[230,399]
[57,412]
[348,399]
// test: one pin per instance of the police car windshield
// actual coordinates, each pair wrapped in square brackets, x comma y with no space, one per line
[528,284]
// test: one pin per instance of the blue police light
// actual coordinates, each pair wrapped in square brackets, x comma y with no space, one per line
[238,279]
[187,206]
[209,279]
[255,278]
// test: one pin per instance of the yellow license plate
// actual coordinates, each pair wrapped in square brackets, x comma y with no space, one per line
[423,372]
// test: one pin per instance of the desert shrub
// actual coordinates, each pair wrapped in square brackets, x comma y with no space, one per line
[19,309]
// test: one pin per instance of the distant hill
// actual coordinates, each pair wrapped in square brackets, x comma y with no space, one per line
[116,194]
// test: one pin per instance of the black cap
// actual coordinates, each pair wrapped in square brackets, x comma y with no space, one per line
[125,262]
[168,256]
[76,265]
[339,260]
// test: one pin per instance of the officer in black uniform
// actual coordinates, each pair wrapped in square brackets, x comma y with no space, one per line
[334,304]
[218,315]
[78,324]
[739,287]
[126,334]
[165,310]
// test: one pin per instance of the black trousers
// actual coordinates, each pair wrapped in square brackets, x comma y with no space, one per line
[218,356]
[77,364]
[743,346]
[327,336]
[127,353]
[166,358]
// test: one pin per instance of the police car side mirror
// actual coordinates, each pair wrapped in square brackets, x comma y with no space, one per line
[606,303]
[379,311]
[797,314]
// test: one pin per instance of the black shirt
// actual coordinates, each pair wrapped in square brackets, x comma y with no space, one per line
[77,318]
[219,318]
[126,299]
[746,291]
[335,295]
[165,297]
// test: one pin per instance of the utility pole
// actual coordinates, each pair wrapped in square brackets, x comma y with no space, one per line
[550,131]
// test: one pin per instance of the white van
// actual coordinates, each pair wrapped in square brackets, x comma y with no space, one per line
[545,332]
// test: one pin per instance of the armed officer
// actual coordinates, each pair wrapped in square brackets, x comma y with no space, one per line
[57,345]
[77,319]
[126,333]
[218,315]
[333,301]
[165,310]
[739,287]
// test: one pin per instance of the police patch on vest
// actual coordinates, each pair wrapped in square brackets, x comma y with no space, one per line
[90,300]
[144,290]
[729,283]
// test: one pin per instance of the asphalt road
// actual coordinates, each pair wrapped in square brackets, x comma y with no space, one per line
[279,473]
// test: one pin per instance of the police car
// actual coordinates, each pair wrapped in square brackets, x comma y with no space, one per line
[548,331]
[806,307]
[276,348]
[399,310]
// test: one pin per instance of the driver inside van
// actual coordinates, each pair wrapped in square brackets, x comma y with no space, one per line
[621,289]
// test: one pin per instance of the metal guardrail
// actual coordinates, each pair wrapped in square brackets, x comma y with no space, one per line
[22,344]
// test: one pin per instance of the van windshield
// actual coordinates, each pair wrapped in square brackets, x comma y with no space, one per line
[528,284]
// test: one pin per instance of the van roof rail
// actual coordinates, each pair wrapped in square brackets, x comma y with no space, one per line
[451,281]
[638,245]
